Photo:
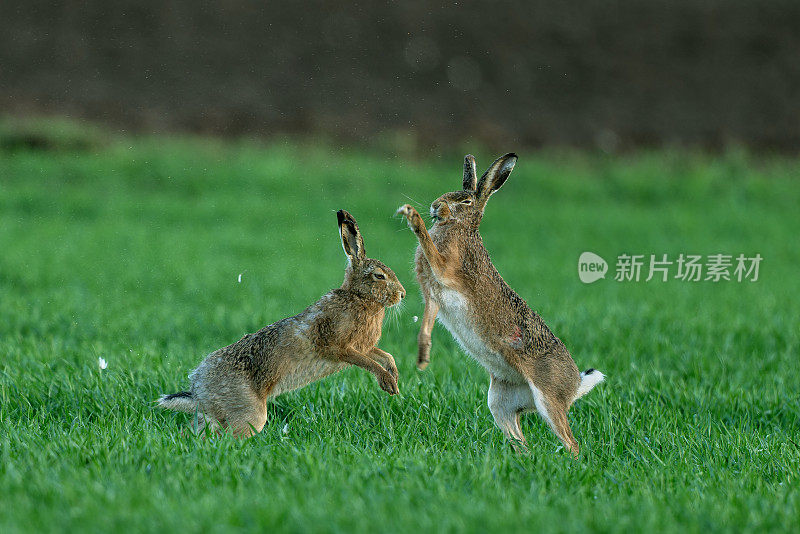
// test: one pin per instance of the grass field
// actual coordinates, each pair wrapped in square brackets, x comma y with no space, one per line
[131,252]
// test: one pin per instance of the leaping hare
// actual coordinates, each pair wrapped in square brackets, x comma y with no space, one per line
[529,367]
[231,387]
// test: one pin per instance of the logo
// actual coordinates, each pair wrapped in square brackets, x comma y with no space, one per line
[591,267]
[662,268]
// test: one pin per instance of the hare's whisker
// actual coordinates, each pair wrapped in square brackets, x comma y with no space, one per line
[417,202]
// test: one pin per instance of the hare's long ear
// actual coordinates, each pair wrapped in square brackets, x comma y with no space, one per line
[470,174]
[495,176]
[352,242]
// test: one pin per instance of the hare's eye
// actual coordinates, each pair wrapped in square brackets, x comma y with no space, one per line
[379,276]
[467,202]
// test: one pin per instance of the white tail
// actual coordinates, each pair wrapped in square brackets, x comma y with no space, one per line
[589,379]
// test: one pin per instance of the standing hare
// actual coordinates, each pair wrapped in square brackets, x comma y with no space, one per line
[231,387]
[529,367]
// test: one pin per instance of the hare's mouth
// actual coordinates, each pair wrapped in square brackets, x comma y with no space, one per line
[397,298]
[437,215]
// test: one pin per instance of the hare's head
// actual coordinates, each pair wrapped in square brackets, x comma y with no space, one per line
[366,277]
[467,205]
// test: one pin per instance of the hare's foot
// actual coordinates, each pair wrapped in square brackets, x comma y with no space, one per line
[435,259]
[388,383]
[424,354]
[411,215]
[425,330]
[385,379]
[203,425]
[406,210]
[555,413]
[506,402]
[386,360]
[250,421]
[391,367]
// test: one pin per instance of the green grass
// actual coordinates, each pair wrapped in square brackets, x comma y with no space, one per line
[130,251]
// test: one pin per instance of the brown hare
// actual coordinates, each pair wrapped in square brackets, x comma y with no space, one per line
[529,367]
[231,387]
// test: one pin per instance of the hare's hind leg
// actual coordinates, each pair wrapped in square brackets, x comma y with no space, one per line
[555,413]
[561,427]
[200,422]
[250,422]
[425,329]
[247,414]
[506,402]
[236,407]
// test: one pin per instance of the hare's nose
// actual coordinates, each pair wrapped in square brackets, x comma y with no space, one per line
[402,293]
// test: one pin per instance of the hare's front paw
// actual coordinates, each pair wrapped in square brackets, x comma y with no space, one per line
[388,383]
[424,354]
[391,366]
[393,371]
[408,211]
[422,363]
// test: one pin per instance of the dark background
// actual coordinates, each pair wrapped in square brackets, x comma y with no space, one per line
[599,74]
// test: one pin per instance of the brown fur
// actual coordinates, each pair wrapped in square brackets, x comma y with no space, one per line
[529,367]
[231,387]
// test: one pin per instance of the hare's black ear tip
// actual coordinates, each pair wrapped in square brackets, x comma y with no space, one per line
[344,217]
[512,155]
